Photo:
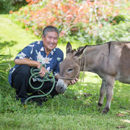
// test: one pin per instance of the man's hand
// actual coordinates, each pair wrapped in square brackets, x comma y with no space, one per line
[74,81]
[42,71]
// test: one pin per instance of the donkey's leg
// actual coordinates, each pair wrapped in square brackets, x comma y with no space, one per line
[102,93]
[110,80]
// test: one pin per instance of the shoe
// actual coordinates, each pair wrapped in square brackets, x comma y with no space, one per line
[35,100]
[16,97]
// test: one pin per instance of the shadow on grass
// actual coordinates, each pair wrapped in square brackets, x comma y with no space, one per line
[83,99]
[7,43]
[72,101]
[76,100]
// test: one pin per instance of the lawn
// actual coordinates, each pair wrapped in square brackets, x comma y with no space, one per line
[76,109]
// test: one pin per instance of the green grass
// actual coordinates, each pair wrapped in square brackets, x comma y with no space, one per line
[13,39]
[72,110]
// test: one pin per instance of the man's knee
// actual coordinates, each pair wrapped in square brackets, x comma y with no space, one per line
[24,69]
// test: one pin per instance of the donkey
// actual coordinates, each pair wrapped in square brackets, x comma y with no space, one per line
[111,61]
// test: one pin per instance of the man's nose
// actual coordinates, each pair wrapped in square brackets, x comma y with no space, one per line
[52,40]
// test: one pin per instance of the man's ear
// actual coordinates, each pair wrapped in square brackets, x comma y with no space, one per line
[68,48]
[42,36]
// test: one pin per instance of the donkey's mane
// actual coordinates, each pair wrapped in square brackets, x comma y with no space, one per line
[82,61]
[78,49]
[102,44]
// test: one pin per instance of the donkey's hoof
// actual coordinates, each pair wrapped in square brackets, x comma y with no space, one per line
[105,110]
[99,104]
[99,108]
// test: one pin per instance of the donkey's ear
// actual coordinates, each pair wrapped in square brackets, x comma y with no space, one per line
[80,52]
[68,48]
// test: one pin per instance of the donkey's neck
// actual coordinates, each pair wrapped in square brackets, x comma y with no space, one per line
[92,58]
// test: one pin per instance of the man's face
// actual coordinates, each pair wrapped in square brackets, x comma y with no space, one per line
[50,40]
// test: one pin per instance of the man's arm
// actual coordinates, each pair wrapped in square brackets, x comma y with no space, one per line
[28,62]
[31,63]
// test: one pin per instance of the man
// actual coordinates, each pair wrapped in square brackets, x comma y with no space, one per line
[34,55]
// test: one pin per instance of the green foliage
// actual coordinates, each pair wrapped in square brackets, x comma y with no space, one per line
[119,18]
[4,89]
[11,5]
[5,6]
[77,20]
[78,105]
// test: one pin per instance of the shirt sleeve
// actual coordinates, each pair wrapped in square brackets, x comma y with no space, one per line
[26,52]
[60,58]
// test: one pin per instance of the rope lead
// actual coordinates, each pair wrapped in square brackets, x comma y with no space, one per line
[47,77]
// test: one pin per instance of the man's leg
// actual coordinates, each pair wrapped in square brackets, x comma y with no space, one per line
[47,86]
[20,78]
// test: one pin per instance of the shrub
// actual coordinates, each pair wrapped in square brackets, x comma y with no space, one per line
[8,5]
[32,1]
[80,20]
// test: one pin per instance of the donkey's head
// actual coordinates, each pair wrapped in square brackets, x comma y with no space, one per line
[69,68]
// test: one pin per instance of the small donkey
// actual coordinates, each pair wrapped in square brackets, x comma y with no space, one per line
[111,61]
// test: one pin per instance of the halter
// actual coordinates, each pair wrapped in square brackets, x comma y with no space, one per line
[84,68]
[70,78]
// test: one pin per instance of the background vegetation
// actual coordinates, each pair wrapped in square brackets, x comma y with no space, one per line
[88,21]
[80,22]
[7,5]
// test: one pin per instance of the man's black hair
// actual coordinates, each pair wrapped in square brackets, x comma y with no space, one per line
[50,29]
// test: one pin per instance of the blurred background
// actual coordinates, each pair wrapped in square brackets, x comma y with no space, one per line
[85,21]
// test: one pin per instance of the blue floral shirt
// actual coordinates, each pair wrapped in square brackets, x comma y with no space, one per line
[35,51]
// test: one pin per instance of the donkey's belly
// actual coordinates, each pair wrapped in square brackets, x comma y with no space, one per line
[123,78]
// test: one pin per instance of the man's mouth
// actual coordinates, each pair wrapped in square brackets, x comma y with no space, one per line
[51,45]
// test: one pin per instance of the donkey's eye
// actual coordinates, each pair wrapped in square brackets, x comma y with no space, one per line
[70,70]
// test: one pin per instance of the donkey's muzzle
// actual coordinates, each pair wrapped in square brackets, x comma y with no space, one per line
[61,86]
